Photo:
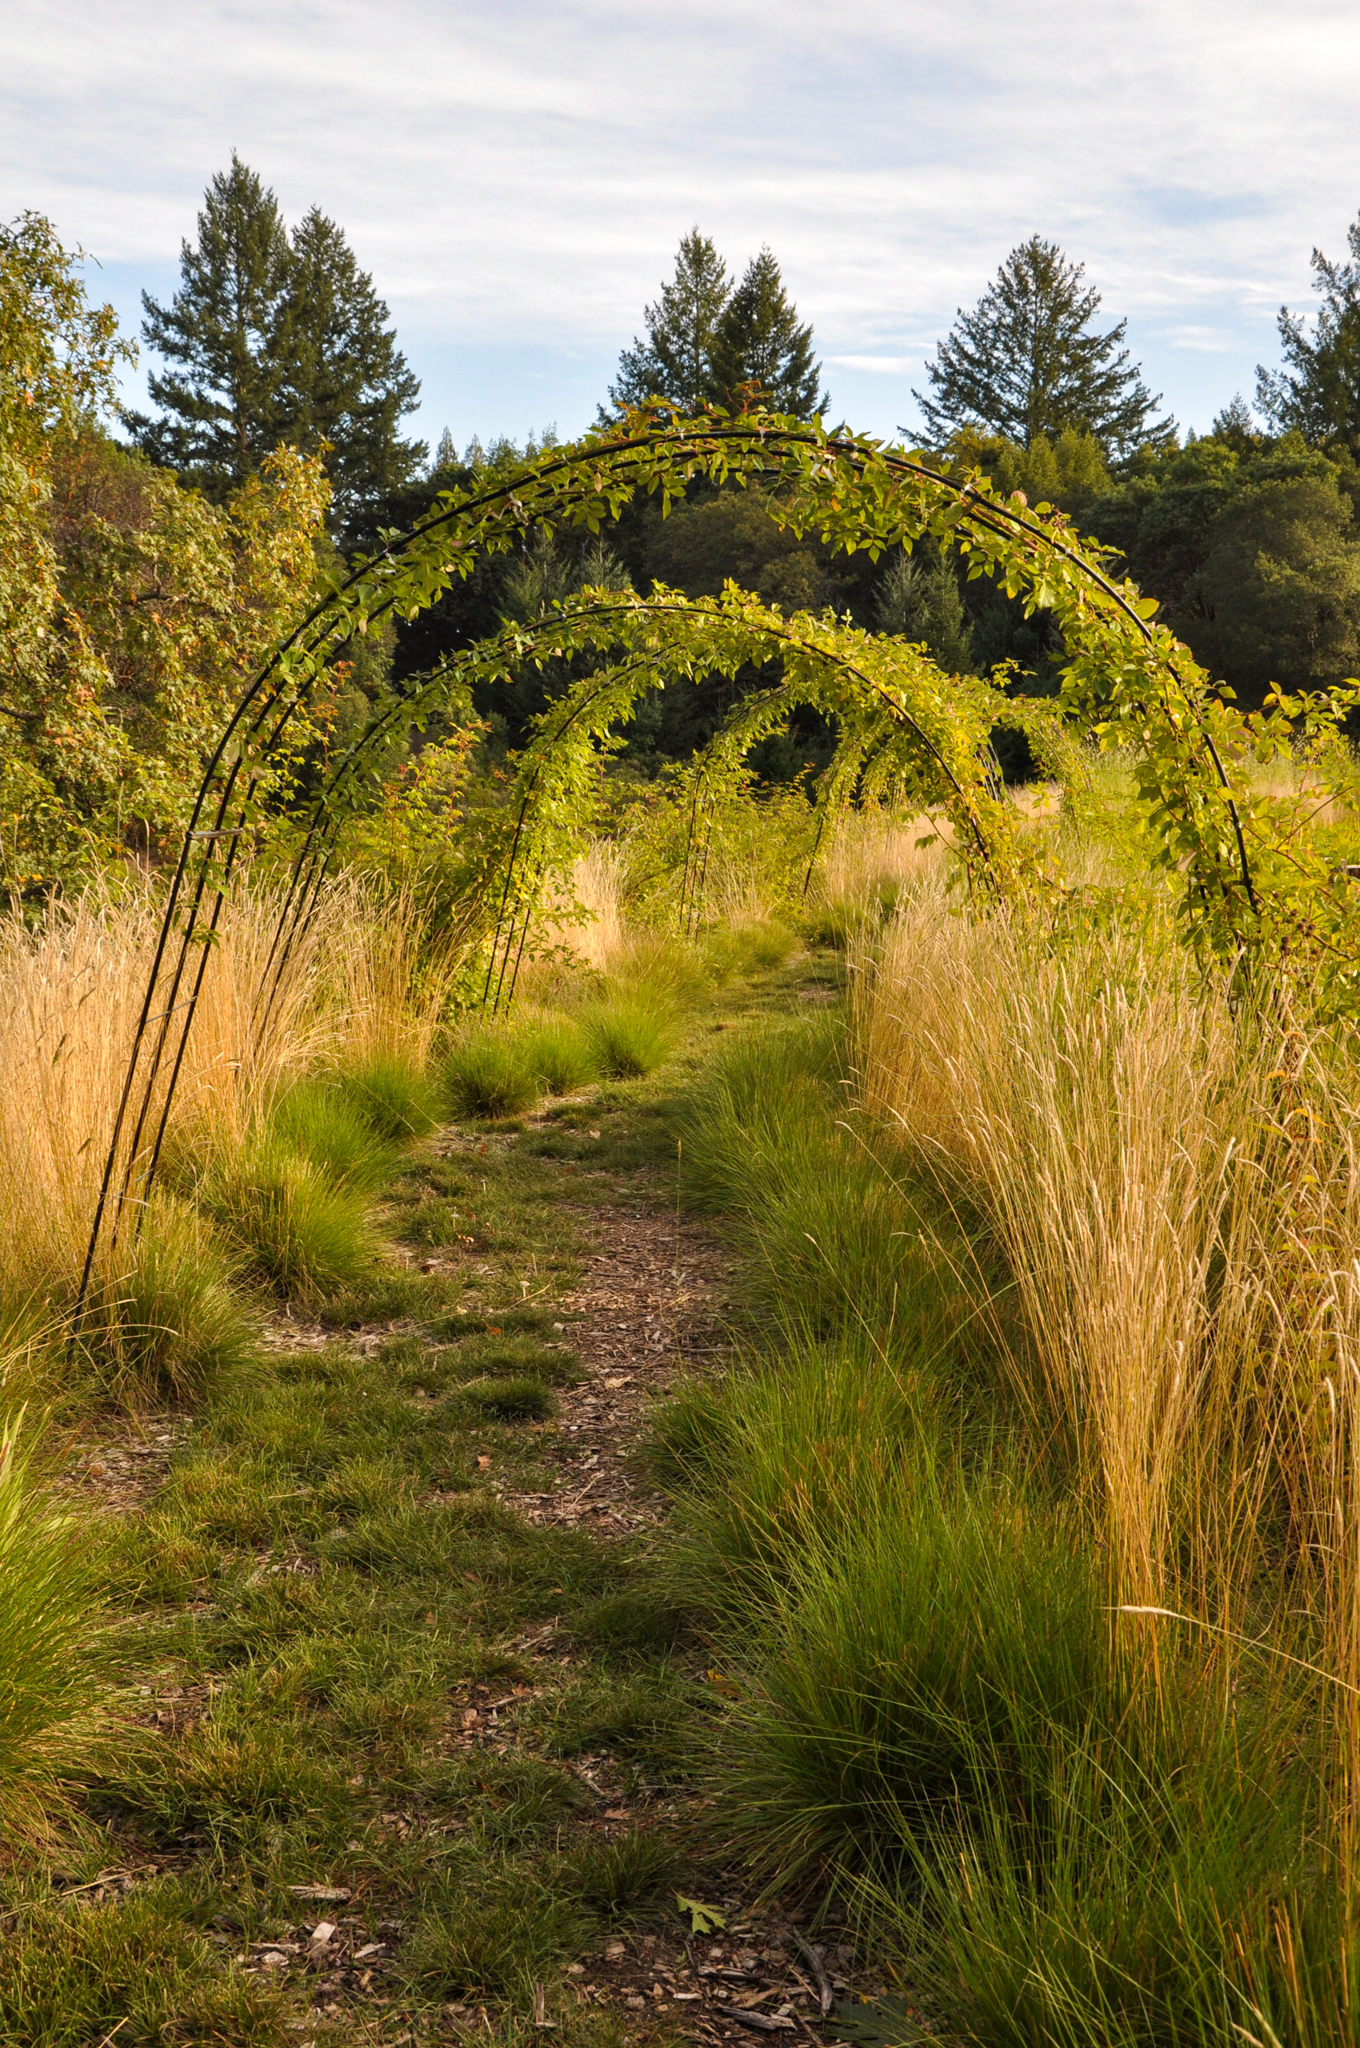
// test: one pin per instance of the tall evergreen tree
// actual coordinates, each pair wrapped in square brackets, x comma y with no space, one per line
[1318,391]
[760,342]
[269,339]
[675,362]
[346,381]
[220,335]
[1026,362]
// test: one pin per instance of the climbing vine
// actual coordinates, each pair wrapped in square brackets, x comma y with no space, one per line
[1254,894]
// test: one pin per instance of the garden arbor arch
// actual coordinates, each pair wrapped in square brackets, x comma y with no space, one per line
[897,715]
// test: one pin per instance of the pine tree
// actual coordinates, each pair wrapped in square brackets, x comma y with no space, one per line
[276,339]
[220,334]
[918,598]
[346,382]
[1318,392]
[1025,362]
[675,362]
[759,342]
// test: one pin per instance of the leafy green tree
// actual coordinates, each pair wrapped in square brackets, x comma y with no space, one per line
[760,342]
[1026,362]
[1064,472]
[675,362]
[271,339]
[1280,588]
[1253,551]
[1317,393]
[130,608]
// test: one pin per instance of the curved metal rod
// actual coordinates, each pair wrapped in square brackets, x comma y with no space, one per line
[523,507]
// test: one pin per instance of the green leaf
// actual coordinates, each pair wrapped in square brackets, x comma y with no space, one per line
[702,1919]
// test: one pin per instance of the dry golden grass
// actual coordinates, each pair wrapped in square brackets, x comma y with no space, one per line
[69,999]
[1175,1194]
[598,886]
[873,855]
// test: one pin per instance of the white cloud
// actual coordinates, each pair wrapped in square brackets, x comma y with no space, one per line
[875,366]
[520,173]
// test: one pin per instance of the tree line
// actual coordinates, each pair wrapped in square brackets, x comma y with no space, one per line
[147,557]
[1248,535]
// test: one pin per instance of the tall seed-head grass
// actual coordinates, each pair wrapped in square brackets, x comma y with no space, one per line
[1176,1192]
[1087,1105]
[351,986]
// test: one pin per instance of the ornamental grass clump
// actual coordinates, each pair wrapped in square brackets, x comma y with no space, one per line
[630,1035]
[53,1652]
[490,1073]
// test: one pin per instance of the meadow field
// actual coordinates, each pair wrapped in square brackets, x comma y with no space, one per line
[807,1478]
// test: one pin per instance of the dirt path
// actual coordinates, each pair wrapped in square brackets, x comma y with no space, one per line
[649,1306]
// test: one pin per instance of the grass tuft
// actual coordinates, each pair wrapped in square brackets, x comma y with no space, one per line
[560,1053]
[510,1400]
[490,1074]
[296,1229]
[325,1126]
[52,1671]
[392,1095]
[169,1325]
[630,1035]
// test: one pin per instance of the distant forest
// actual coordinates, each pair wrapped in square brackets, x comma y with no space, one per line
[148,557]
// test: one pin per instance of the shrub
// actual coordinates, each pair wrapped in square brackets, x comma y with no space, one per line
[490,1074]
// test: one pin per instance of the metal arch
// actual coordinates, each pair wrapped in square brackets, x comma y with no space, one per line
[250,742]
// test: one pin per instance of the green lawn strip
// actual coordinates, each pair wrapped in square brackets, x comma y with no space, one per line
[343,1711]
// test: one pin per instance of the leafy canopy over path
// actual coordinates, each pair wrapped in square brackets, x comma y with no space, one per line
[1253,894]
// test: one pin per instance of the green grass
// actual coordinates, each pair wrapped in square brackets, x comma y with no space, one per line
[519,1399]
[324,1579]
[294,1226]
[491,1074]
[392,1095]
[167,1324]
[54,1650]
[630,1036]
[1047,1837]
[318,1120]
[560,1053]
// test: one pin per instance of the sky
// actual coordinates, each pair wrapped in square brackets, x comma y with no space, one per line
[516,175]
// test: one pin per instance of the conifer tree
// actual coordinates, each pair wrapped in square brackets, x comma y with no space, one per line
[222,394]
[1318,391]
[919,599]
[1026,362]
[270,339]
[759,342]
[346,381]
[675,362]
